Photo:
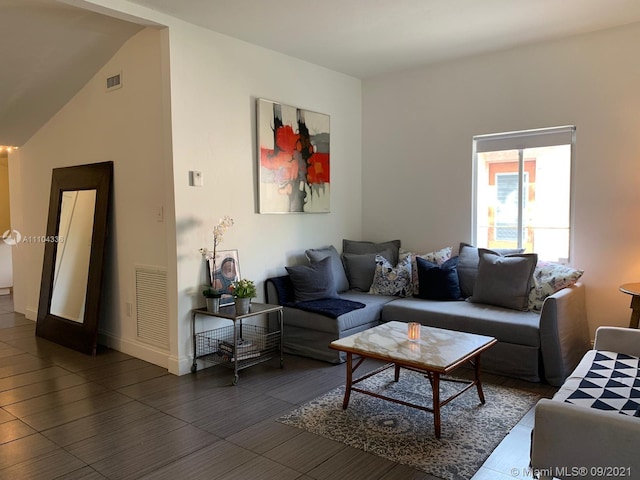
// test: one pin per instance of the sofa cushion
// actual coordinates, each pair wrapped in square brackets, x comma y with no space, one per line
[311,282]
[359,247]
[438,282]
[504,281]
[360,268]
[511,326]
[390,280]
[548,278]
[337,268]
[468,258]
[606,381]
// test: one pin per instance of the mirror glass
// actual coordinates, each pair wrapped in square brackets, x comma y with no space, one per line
[75,231]
[71,288]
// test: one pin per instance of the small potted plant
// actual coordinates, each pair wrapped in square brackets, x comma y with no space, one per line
[212,297]
[243,291]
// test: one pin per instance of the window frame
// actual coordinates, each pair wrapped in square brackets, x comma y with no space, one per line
[522,140]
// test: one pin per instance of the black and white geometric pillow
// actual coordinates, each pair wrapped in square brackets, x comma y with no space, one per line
[612,383]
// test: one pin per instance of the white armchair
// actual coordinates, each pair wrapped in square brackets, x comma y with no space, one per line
[572,440]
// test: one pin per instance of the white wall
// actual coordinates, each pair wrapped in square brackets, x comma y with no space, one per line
[215,81]
[125,126]
[417,137]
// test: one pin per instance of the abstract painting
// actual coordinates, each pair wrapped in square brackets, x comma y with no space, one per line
[293,156]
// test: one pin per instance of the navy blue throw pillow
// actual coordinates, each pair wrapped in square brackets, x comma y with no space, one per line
[438,282]
[313,282]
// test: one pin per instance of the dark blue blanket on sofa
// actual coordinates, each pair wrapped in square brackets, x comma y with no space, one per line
[330,307]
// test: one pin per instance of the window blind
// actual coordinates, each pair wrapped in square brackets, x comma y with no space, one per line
[543,137]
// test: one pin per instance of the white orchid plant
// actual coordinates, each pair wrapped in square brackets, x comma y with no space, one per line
[219,230]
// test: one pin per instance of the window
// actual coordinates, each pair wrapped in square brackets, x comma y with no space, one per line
[523,191]
[506,220]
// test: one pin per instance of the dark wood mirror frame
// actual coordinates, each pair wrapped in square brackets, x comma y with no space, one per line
[82,336]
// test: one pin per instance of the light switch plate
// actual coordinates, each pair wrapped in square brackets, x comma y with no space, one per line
[195,178]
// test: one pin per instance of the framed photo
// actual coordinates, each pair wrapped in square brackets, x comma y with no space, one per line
[293,159]
[223,272]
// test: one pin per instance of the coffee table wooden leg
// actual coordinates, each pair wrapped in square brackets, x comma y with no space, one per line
[436,402]
[477,377]
[347,390]
[396,375]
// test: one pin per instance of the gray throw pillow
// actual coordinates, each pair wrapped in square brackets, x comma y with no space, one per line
[468,259]
[504,281]
[355,246]
[361,267]
[312,282]
[337,268]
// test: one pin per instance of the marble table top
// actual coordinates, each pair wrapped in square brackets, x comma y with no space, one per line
[437,350]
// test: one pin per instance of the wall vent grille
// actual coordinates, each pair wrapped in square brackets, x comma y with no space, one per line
[152,313]
[114,81]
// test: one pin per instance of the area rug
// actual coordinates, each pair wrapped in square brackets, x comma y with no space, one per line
[470,430]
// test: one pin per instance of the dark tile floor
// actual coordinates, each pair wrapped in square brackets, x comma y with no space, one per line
[65,415]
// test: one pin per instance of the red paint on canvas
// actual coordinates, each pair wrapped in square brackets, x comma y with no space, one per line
[284,159]
[318,171]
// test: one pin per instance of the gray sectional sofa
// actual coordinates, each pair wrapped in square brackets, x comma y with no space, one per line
[533,345]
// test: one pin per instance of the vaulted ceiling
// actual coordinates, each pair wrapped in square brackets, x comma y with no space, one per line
[49,49]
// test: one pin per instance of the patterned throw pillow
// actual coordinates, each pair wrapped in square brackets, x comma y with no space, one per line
[548,278]
[438,257]
[390,280]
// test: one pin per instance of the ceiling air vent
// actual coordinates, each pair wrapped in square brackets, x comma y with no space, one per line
[114,81]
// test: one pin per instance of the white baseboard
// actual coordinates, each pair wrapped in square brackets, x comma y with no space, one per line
[180,366]
[31,313]
[148,353]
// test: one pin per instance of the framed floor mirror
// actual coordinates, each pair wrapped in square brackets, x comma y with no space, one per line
[74,256]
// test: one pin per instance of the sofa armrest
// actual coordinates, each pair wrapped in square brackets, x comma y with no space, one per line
[564,332]
[568,436]
[279,290]
[618,339]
